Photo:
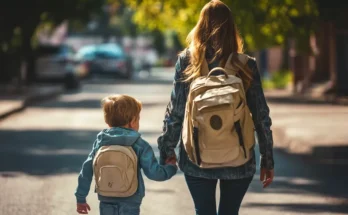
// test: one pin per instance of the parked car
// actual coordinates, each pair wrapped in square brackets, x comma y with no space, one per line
[105,59]
[56,64]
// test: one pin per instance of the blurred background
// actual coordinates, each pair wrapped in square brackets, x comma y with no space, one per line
[58,59]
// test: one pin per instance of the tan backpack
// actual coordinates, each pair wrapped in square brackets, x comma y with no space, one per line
[116,171]
[218,129]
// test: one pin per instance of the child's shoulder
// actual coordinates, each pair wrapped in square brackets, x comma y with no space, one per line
[141,143]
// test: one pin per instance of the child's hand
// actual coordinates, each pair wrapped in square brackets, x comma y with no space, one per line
[171,160]
[83,208]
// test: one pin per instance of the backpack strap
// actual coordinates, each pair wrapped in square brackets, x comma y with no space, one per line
[240,61]
[234,68]
[231,69]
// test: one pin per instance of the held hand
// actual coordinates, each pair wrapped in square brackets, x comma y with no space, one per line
[83,208]
[266,176]
[163,158]
[171,160]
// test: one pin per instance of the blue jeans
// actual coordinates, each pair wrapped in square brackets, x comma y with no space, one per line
[120,208]
[203,194]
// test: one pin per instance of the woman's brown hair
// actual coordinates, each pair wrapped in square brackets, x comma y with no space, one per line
[217,30]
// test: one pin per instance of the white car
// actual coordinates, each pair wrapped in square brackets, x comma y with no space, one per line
[56,64]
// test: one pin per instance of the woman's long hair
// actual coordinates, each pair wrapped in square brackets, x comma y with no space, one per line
[216,31]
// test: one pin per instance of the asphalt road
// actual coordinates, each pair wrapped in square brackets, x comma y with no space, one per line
[42,149]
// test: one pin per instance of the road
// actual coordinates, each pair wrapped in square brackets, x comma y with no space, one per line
[43,147]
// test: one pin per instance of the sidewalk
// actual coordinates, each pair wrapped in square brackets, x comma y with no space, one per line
[309,126]
[13,101]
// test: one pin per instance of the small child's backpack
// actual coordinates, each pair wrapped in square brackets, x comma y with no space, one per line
[218,129]
[115,170]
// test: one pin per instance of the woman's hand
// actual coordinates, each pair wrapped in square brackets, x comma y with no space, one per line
[266,176]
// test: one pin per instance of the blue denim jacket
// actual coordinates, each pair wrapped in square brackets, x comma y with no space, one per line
[174,117]
[146,158]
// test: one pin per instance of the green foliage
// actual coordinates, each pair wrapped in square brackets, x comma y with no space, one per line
[20,23]
[281,79]
[173,41]
[267,84]
[278,80]
[262,23]
[158,40]
[121,18]
[178,15]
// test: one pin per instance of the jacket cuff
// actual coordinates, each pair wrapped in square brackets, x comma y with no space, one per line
[267,163]
[80,200]
[171,170]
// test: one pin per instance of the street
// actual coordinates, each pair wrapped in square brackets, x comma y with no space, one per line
[43,147]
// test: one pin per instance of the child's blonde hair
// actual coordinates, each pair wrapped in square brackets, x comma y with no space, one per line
[120,110]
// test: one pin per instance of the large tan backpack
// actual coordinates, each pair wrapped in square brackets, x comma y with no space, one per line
[116,171]
[218,129]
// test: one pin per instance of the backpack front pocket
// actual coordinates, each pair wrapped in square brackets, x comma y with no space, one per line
[217,144]
[112,179]
[215,97]
[214,119]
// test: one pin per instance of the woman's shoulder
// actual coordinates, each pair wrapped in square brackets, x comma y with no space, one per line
[247,59]
[182,61]
[184,56]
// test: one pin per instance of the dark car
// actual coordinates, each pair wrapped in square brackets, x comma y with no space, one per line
[56,64]
[106,59]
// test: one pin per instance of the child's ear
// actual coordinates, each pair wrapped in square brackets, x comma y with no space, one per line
[133,122]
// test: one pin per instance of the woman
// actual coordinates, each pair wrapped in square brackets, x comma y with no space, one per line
[216,35]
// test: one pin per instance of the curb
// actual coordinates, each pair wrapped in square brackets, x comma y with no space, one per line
[293,146]
[13,111]
[30,100]
[322,154]
[33,99]
[307,98]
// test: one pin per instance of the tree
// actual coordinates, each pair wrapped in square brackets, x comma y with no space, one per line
[121,19]
[262,23]
[332,46]
[21,18]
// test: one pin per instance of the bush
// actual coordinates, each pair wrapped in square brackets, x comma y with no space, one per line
[279,80]
[267,84]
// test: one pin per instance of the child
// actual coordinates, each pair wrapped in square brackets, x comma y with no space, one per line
[116,158]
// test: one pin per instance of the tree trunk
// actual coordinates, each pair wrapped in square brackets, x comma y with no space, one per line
[299,56]
[285,52]
[332,55]
[28,56]
[322,63]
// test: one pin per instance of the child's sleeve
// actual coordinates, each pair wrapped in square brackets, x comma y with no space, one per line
[152,169]
[85,177]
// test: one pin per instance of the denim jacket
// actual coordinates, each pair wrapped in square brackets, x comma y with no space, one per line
[174,117]
[146,160]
